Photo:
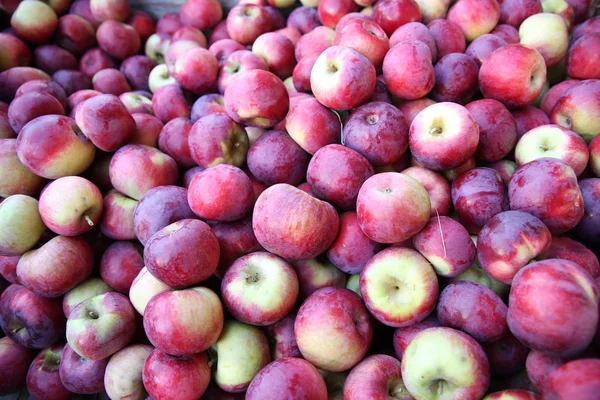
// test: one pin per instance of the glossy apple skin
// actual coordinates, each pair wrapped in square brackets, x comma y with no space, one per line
[483,316]
[342,78]
[312,125]
[474,17]
[56,267]
[43,379]
[566,248]
[577,110]
[352,249]
[414,31]
[61,150]
[14,363]
[437,187]
[587,228]
[192,260]
[41,320]
[301,74]
[387,194]
[403,336]
[341,188]
[121,264]
[378,131]
[514,75]
[314,42]
[551,97]
[497,129]
[455,79]
[377,377]
[169,377]
[89,288]
[80,375]
[169,102]
[575,379]
[336,349]
[547,188]
[235,240]
[539,366]
[471,382]
[318,219]
[447,36]
[367,37]
[506,355]
[223,48]
[447,246]
[123,377]
[416,293]
[135,169]
[201,14]
[392,14]
[282,338]
[248,277]
[246,22]
[256,98]
[30,106]
[553,141]
[111,329]
[581,65]
[159,207]
[481,48]
[274,381]
[417,78]
[34,22]
[173,140]
[510,240]
[528,118]
[207,104]
[172,326]
[117,39]
[277,51]
[539,324]
[117,216]
[196,70]
[236,63]
[478,195]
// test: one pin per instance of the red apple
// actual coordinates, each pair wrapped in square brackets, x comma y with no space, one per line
[528,118]
[414,31]
[571,250]
[15,52]
[110,81]
[367,37]
[34,21]
[318,273]
[80,375]
[475,17]
[72,80]
[12,79]
[455,78]
[577,110]
[481,48]
[514,12]
[497,129]
[246,22]
[447,36]
[207,104]
[314,42]
[376,377]
[282,338]
[305,19]
[121,264]
[117,39]
[587,228]
[196,70]
[168,23]
[42,86]
[235,240]
[575,379]
[201,14]
[143,23]
[103,10]
[392,14]
[51,58]
[417,78]
[312,125]
[43,378]
[277,51]
[235,64]
[75,34]
[30,106]
[403,336]
[14,363]
[173,141]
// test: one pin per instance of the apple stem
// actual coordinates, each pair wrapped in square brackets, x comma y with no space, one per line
[441,232]
[88,220]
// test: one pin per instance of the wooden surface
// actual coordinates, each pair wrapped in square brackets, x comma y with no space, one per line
[158,8]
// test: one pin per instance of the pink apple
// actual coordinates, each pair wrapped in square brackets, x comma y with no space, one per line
[235,64]
[437,187]
[12,79]
[318,219]
[184,322]
[120,265]
[196,70]
[367,37]
[117,39]
[30,106]
[246,22]
[514,12]
[385,196]
[577,110]
[277,51]
[414,31]
[377,376]
[331,11]
[328,346]
[305,19]
[395,296]
[447,36]
[169,102]
[475,17]
[201,14]
[417,77]
[207,104]
[575,379]
[117,216]
[411,108]
[514,75]
[235,240]
[528,118]
[534,314]
[481,48]
[314,42]
[14,363]
[312,125]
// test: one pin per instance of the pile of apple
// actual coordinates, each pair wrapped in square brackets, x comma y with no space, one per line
[357,199]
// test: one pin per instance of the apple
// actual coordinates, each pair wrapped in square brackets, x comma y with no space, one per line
[577,110]
[170,102]
[14,363]
[478,195]
[118,40]
[484,45]
[528,118]
[332,347]
[238,355]
[314,42]
[437,187]
[279,377]
[15,177]
[30,320]
[223,48]
[80,375]
[548,34]
[255,84]
[556,142]
[403,336]
[392,14]
[442,361]
[417,78]
[235,64]
[513,394]
[352,249]
[537,320]
[156,47]
[8,268]
[235,240]
[184,322]
[301,74]
[94,61]
[143,288]
[376,377]
[587,228]
[15,52]
[539,366]
[514,12]
[554,93]
[455,78]
[207,104]
[317,219]
[21,225]
[589,26]
[72,80]
[82,8]
[121,264]
[195,69]
[34,21]
[89,288]
[365,36]
[110,81]
[514,75]
[137,71]
[446,244]
[568,249]
[304,18]
[318,273]
[507,356]
[12,79]
[192,260]
[159,207]
[77,214]
[103,10]
[497,129]
[457,137]
[386,195]
[547,188]
[51,58]
[216,139]
[170,377]
[143,23]
[123,376]
[190,33]
[43,378]
[282,339]
[75,34]
[117,216]
[246,22]
[506,168]
[30,106]
[577,378]
[277,51]
[312,125]
[201,14]
[56,267]
[448,37]
[378,131]
[475,17]
[101,325]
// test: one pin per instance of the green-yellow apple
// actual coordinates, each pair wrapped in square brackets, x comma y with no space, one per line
[21,225]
